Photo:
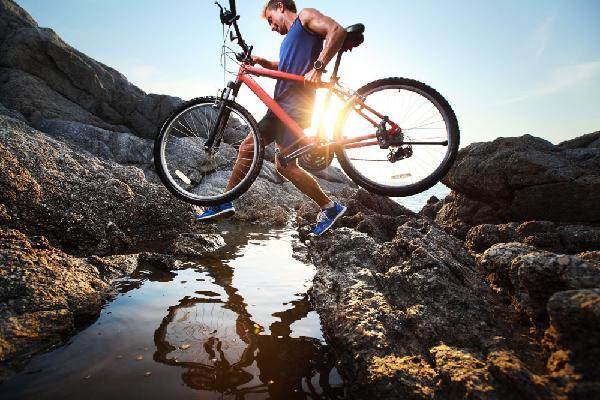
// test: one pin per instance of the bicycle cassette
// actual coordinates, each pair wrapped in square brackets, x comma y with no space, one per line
[317,160]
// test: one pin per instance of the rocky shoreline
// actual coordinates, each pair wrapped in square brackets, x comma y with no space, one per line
[492,292]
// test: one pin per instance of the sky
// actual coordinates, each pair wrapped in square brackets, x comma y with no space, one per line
[508,68]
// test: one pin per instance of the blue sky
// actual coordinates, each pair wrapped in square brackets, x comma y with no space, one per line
[507,68]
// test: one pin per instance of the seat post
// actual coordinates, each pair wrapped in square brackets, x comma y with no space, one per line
[337,65]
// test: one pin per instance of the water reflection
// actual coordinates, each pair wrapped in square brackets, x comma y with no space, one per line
[237,326]
[220,348]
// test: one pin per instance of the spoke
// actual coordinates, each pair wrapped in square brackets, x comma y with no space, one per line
[194,131]
[184,127]
[421,126]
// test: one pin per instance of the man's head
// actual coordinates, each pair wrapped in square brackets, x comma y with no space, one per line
[276,11]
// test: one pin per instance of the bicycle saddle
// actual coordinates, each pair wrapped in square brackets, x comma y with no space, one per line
[354,37]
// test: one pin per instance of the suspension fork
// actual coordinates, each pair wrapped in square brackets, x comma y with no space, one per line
[218,129]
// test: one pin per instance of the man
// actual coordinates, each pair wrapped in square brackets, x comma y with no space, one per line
[302,52]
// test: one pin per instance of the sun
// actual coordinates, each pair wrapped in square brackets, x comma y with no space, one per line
[326,116]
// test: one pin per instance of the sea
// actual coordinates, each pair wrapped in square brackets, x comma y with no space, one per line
[415,203]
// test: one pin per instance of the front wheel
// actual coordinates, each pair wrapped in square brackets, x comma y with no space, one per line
[201,176]
[412,161]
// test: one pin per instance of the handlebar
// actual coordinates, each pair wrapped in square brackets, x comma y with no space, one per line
[230,17]
[232,6]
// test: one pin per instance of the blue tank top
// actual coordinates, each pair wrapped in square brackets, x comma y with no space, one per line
[299,50]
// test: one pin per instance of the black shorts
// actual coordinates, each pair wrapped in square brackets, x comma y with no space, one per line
[273,130]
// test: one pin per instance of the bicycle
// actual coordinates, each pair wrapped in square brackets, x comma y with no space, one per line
[394,137]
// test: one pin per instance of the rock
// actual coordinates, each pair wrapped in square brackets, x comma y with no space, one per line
[120,147]
[531,276]
[431,208]
[540,234]
[481,237]
[12,113]
[579,238]
[44,295]
[268,204]
[36,101]
[540,275]
[76,80]
[12,18]
[334,174]
[410,316]
[196,244]
[531,178]
[458,214]
[575,323]
[591,140]
[544,235]
[81,203]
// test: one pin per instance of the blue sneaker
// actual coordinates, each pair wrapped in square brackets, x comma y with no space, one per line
[217,212]
[327,218]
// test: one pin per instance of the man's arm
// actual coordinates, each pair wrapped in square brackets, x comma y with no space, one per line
[265,63]
[327,28]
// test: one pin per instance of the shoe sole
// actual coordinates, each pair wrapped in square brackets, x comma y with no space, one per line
[333,223]
[217,216]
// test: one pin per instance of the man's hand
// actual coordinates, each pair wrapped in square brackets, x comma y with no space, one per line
[313,77]
[264,62]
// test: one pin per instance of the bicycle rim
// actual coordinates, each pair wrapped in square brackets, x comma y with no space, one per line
[424,116]
[199,176]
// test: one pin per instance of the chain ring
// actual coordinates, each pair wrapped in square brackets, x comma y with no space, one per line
[316,160]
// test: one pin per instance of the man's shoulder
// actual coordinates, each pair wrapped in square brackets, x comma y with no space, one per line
[307,14]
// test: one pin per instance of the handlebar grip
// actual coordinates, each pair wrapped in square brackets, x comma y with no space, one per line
[232,7]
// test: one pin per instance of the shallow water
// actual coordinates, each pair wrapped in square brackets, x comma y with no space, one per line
[417,202]
[236,327]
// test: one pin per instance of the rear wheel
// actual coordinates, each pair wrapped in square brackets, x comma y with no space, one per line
[428,146]
[196,175]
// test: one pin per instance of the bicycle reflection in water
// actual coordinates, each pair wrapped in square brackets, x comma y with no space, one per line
[223,350]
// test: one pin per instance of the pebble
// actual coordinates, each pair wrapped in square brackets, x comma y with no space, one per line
[185,346]
[147,373]
[139,358]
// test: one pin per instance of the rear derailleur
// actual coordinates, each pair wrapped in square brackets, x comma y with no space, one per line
[386,140]
[399,153]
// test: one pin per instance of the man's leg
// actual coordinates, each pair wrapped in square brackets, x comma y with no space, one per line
[242,163]
[304,182]
[240,169]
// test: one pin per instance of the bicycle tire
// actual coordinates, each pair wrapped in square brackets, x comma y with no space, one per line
[452,134]
[200,135]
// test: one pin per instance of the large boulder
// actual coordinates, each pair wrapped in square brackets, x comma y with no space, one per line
[575,323]
[36,101]
[13,17]
[530,277]
[45,294]
[545,235]
[530,178]
[76,79]
[410,315]
[79,202]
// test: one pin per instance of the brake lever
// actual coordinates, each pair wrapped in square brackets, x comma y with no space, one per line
[221,10]
[241,57]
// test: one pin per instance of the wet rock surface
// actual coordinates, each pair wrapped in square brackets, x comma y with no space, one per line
[45,294]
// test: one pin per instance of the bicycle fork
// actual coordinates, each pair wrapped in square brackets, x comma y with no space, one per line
[217,131]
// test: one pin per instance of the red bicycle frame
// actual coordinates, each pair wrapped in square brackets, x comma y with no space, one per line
[246,70]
